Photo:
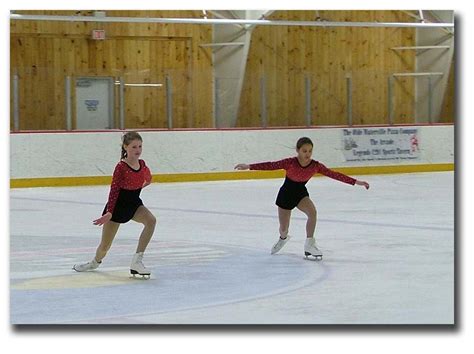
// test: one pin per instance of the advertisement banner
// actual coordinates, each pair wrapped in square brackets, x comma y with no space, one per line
[380,144]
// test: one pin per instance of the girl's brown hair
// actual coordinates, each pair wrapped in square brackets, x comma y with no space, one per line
[127,139]
[303,141]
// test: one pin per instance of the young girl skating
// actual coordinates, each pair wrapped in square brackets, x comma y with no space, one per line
[293,192]
[124,204]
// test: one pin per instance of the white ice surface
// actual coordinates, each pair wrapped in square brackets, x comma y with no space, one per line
[388,255]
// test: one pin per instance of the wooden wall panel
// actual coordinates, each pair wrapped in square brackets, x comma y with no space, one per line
[328,56]
[141,53]
[448,110]
[284,55]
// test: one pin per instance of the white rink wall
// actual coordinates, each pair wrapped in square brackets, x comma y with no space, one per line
[82,154]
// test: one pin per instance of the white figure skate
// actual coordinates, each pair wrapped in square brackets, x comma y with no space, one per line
[137,267]
[86,266]
[312,252]
[280,243]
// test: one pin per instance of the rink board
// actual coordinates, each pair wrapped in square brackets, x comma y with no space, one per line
[221,176]
[89,158]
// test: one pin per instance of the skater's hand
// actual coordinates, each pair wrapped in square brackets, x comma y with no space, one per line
[363,183]
[103,219]
[242,166]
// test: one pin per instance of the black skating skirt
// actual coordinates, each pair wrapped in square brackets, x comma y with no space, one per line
[291,193]
[127,204]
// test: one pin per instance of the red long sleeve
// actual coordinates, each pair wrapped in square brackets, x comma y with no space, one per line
[272,165]
[298,173]
[335,175]
[115,187]
[147,174]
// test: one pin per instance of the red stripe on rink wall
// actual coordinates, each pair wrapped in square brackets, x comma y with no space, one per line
[227,129]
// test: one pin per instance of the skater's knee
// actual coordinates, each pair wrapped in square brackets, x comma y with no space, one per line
[151,221]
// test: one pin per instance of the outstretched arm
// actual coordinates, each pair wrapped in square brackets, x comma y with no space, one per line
[340,176]
[266,166]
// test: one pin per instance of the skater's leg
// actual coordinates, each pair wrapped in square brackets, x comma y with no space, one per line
[109,230]
[284,217]
[307,207]
[145,217]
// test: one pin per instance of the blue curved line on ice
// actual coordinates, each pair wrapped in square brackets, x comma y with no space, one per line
[247,274]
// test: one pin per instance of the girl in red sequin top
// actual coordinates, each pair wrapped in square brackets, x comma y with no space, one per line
[293,192]
[124,204]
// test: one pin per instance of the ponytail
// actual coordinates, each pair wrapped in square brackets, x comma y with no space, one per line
[123,154]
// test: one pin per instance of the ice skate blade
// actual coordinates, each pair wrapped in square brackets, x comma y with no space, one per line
[84,271]
[79,271]
[135,275]
[310,257]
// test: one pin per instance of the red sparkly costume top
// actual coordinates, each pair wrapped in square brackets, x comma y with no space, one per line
[298,173]
[125,177]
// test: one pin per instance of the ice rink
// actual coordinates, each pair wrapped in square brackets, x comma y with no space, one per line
[388,255]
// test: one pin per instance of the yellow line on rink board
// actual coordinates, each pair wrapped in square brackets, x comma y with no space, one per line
[222,176]
[380,170]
